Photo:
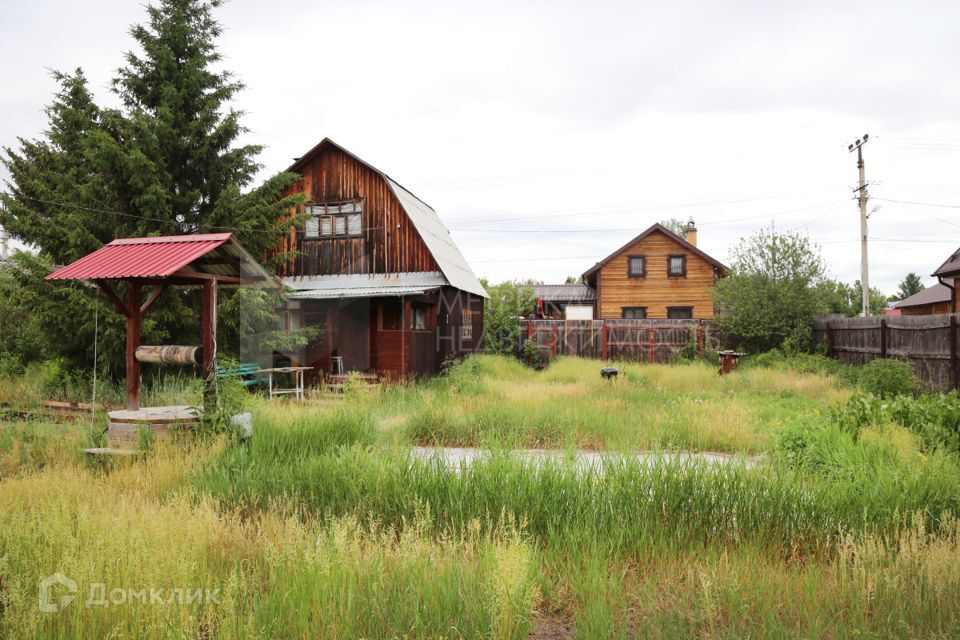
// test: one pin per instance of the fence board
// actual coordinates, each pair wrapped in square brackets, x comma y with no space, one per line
[929,342]
[640,340]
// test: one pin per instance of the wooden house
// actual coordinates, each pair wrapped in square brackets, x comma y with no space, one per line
[377,272]
[935,299]
[947,275]
[658,274]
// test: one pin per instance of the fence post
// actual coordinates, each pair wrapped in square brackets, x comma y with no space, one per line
[700,338]
[529,329]
[954,382]
[651,335]
[830,339]
[883,337]
[603,342]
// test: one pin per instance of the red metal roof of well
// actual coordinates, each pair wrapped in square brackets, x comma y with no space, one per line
[141,257]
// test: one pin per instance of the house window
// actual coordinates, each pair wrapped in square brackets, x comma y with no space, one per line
[333,220]
[680,313]
[289,316]
[633,313]
[418,317]
[391,315]
[466,329]
[677,266]
[636,266]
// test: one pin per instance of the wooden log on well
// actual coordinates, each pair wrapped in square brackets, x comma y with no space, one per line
[169,354]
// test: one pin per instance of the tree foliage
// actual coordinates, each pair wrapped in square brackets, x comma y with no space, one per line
[508,303]
[909,286]
[676,225]
[770,296]
[167,161]
[842,298]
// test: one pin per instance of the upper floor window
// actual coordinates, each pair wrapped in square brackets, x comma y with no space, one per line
[677,266]
[636,266]
[333,220]
[633,313]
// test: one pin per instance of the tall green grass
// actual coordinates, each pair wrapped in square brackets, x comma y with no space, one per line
[630,504]
[323,524]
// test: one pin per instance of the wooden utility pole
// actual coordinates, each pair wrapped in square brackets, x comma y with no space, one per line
[862,189]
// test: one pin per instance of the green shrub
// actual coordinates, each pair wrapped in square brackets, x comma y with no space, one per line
[531,353]
[935,418]
[889,378]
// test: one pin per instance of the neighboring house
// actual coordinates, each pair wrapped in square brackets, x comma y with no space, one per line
[658,274]
[377,272]
[947,274]
[935,299]
[556,298]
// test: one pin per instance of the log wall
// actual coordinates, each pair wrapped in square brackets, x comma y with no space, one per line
[389,242]
[656,290]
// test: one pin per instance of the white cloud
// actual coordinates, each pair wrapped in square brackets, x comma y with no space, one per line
[611,115]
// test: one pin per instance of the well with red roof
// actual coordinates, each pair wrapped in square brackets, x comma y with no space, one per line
[206,260]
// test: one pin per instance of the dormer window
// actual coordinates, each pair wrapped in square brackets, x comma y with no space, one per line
[335,220]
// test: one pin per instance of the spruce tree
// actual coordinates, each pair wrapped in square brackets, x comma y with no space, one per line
[167,161]
[910,285]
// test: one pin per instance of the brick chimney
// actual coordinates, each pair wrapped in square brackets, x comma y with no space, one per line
[692,232]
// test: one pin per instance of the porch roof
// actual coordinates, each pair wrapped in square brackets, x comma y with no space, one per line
[364,285]
[359,292]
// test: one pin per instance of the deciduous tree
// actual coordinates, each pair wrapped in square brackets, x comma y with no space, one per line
[508,303]
[769,298]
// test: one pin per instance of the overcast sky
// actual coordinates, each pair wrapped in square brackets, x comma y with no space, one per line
[547,134]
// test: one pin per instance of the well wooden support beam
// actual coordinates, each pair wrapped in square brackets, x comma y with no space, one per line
[209,329]
[112,297]
[156,293]
[133,341]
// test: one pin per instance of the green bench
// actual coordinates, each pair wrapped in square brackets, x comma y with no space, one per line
[246,373]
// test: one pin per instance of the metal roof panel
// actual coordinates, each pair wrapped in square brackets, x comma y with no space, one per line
[437,238]
[359,292]
[159,257]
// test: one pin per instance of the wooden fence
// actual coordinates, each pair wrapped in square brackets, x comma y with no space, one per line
[640,340]
[929,342]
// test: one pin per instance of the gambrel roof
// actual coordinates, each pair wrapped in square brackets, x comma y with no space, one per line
[426,222]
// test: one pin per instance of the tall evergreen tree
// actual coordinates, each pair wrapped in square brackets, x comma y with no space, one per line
[910,285]
[168,161]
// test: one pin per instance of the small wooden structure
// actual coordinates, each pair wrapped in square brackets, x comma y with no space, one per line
[207,261]
[123,430]
[728,361]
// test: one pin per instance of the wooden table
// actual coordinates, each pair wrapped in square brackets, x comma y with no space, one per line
[297,389]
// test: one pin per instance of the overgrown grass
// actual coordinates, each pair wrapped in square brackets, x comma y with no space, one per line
[271,575]
[323,525]
[494,401]
[52,380]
